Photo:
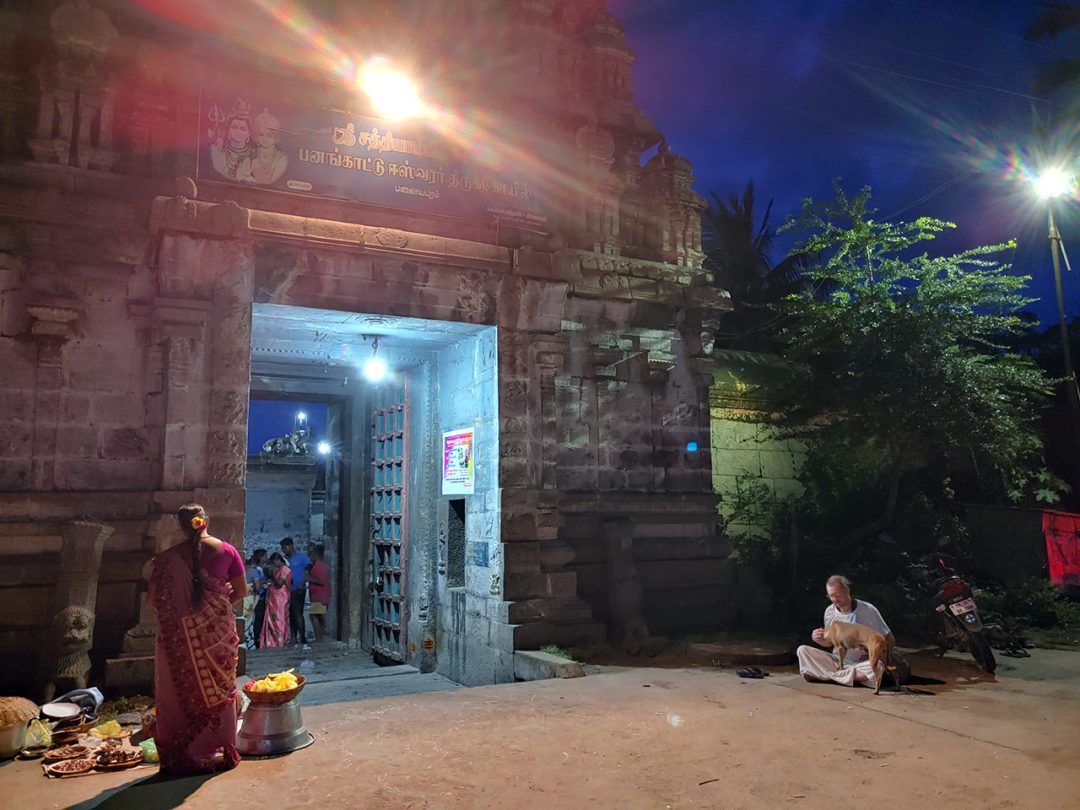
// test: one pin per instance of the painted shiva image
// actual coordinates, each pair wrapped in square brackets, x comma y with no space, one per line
[243,148]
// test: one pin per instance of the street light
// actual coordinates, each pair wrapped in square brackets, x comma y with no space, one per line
[1052,184]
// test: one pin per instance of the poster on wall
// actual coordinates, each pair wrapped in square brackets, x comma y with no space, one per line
[458,473]
[309,150]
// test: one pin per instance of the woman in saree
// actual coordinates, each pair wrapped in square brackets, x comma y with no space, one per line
[275,630]
[194,585]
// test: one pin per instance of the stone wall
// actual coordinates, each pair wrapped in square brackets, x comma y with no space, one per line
[278,505]
[748,452]
[126,299]
[474,644]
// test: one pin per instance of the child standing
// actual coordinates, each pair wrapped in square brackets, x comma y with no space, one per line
[319,589]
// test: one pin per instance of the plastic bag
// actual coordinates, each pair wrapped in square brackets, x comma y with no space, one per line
[38,735]
[149,751]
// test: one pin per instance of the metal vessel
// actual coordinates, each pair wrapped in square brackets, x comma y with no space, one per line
[270,729]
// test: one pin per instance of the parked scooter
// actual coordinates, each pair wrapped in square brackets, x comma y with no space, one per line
[953,601]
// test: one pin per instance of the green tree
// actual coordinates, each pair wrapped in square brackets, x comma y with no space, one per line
[737,247]
[903,352]
[1055,20]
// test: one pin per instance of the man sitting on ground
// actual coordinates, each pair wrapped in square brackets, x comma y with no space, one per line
[818,665]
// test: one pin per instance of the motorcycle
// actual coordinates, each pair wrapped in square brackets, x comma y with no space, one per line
[954,602]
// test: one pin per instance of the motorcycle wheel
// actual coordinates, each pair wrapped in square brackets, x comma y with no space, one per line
[980,650]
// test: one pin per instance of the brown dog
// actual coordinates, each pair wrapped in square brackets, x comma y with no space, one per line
[844,636]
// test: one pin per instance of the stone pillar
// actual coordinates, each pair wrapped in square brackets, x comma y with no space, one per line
[624,587]
[230,380]
[80,563]
[179,326]
[135,666]
[73,605]
[51,329]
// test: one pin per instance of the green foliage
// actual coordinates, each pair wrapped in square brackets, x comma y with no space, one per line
[1028,604]
[905,351]
[554,649]
[754,515]
[737,246]
[1040,486]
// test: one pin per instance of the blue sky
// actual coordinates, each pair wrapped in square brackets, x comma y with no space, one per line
[925,101]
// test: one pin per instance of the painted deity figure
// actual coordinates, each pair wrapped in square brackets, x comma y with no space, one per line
[269,162]
[232,152]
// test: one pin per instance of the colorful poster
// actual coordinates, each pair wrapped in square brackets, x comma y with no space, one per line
[458,474]
[329,153]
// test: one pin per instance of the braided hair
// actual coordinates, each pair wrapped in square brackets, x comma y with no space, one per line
[193,521]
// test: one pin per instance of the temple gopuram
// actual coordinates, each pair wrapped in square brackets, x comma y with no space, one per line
[208,217]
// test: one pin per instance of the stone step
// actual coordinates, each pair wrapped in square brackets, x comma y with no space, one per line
[535,665]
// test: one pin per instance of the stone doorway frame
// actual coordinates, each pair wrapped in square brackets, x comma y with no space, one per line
[352,580]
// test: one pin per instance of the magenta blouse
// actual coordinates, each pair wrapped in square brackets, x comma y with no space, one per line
[224,564]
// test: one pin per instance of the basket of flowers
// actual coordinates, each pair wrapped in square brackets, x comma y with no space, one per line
[275,688]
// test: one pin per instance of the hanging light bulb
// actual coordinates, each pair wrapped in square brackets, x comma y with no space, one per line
[375,367]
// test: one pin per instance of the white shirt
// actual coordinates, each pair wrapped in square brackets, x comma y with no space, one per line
[861,613]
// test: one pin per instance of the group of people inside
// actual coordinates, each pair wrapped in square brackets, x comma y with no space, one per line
[280,586]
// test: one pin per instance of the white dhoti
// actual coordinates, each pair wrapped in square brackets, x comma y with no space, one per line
[821,666]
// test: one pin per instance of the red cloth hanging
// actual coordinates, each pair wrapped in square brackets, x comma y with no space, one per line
[1062,533]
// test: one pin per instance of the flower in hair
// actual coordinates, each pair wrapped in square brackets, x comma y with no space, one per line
[198,523]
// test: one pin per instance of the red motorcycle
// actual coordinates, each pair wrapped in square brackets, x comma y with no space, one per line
[953,601]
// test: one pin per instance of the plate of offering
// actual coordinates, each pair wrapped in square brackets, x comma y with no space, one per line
[65,752]
[115,757]
[70,767]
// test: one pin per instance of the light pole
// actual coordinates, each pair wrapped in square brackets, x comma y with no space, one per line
[1050,185]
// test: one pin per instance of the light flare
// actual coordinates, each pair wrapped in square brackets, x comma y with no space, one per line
[1053,182]
[393,95]
[374,369]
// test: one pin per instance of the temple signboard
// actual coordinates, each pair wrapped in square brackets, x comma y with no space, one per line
[329,153]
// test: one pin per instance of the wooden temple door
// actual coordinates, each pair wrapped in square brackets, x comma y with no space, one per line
[388,546]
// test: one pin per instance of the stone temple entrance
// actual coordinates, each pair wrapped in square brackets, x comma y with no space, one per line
[360,470]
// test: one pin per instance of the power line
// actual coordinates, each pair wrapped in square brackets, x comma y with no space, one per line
[932,193]
[973,85]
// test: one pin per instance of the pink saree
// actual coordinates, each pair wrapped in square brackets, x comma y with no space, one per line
[275,631]
[194,669]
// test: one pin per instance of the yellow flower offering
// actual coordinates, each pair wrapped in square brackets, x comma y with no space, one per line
[107,730]
[274,682]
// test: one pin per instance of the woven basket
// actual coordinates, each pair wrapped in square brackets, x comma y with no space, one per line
[275,697]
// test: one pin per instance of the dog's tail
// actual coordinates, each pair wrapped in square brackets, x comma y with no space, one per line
[890,662]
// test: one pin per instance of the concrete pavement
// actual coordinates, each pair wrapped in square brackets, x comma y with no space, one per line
[656,738]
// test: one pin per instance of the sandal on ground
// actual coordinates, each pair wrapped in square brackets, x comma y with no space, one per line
[750,672]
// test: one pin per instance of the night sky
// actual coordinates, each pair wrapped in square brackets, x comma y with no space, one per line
[929,103]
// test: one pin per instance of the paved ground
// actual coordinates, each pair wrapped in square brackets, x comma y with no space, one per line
[335,674]
[656,738]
